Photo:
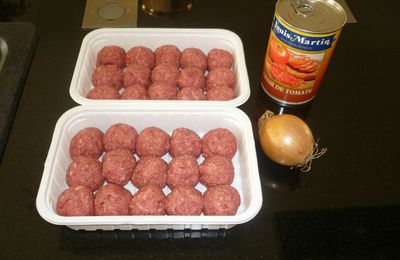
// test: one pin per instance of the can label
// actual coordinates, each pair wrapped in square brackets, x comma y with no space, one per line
[295,62]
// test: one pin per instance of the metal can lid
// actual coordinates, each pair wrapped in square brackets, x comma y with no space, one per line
[312,16]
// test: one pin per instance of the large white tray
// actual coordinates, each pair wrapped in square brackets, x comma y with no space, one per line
[246,180]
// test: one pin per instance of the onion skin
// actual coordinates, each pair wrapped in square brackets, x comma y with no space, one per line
[286,139]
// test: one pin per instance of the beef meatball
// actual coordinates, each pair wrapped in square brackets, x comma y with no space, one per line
[103,92]
[88,141]
[118,166]
[85,171]
[152,141]
[168,54]
[219,141]
[220,77]
[185,142]
[220,93]
[183,170]
[192,77]
[76,201]
[108,75]
[193,57]
[112,200]
[184,200]
[137,74]
[162,91]
[149,200]
[218,58]
[150,170]
[111,55]
[216,170]
[136,91]
[191,94]
[120,136]
[165,73]
[140,55]
[221,200]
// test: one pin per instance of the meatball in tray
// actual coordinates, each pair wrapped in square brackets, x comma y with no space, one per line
[182,67]
[150,168]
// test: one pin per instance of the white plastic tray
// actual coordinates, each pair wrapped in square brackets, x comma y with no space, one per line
[204,39]
[246,180]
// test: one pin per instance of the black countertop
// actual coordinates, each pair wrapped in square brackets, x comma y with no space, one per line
[347,207]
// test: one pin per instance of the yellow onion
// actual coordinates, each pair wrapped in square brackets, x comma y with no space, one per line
[287,140]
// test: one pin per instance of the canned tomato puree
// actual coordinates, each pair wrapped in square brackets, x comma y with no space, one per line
[302,39]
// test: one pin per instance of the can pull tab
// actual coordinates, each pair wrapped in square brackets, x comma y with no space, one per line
[302,7]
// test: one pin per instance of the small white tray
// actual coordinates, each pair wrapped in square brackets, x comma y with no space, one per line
[204,39]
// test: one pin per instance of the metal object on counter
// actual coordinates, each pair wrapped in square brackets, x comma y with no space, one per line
[303,37]
[110,14]
[166,8]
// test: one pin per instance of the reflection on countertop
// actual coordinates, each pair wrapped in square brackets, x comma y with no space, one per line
[3,52]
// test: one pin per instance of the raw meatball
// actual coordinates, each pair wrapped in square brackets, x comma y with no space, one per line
[216,170]
[112,200]
[192,77]
[165,73]
[184,200]
[120,136]
[149,200]
[140,55]
[76,201]
[108,75]
[118,166]
[191,94]
[85,171]
[150,170]
[152,141]
[219,141]
[162,91]
[221,200]
[220,93]
[88,141]
[183,170]
[185,142]
[193,57]
[217,58]
[220,77]
[103,92]
[136,91]
[137,73]
[111,55]
[168,54]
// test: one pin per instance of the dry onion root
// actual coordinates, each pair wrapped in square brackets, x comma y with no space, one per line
[287,140]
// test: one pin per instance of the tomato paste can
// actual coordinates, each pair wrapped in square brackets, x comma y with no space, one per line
[303,36]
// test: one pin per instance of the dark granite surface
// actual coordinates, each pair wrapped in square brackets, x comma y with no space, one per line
[21,40]
[347,207]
